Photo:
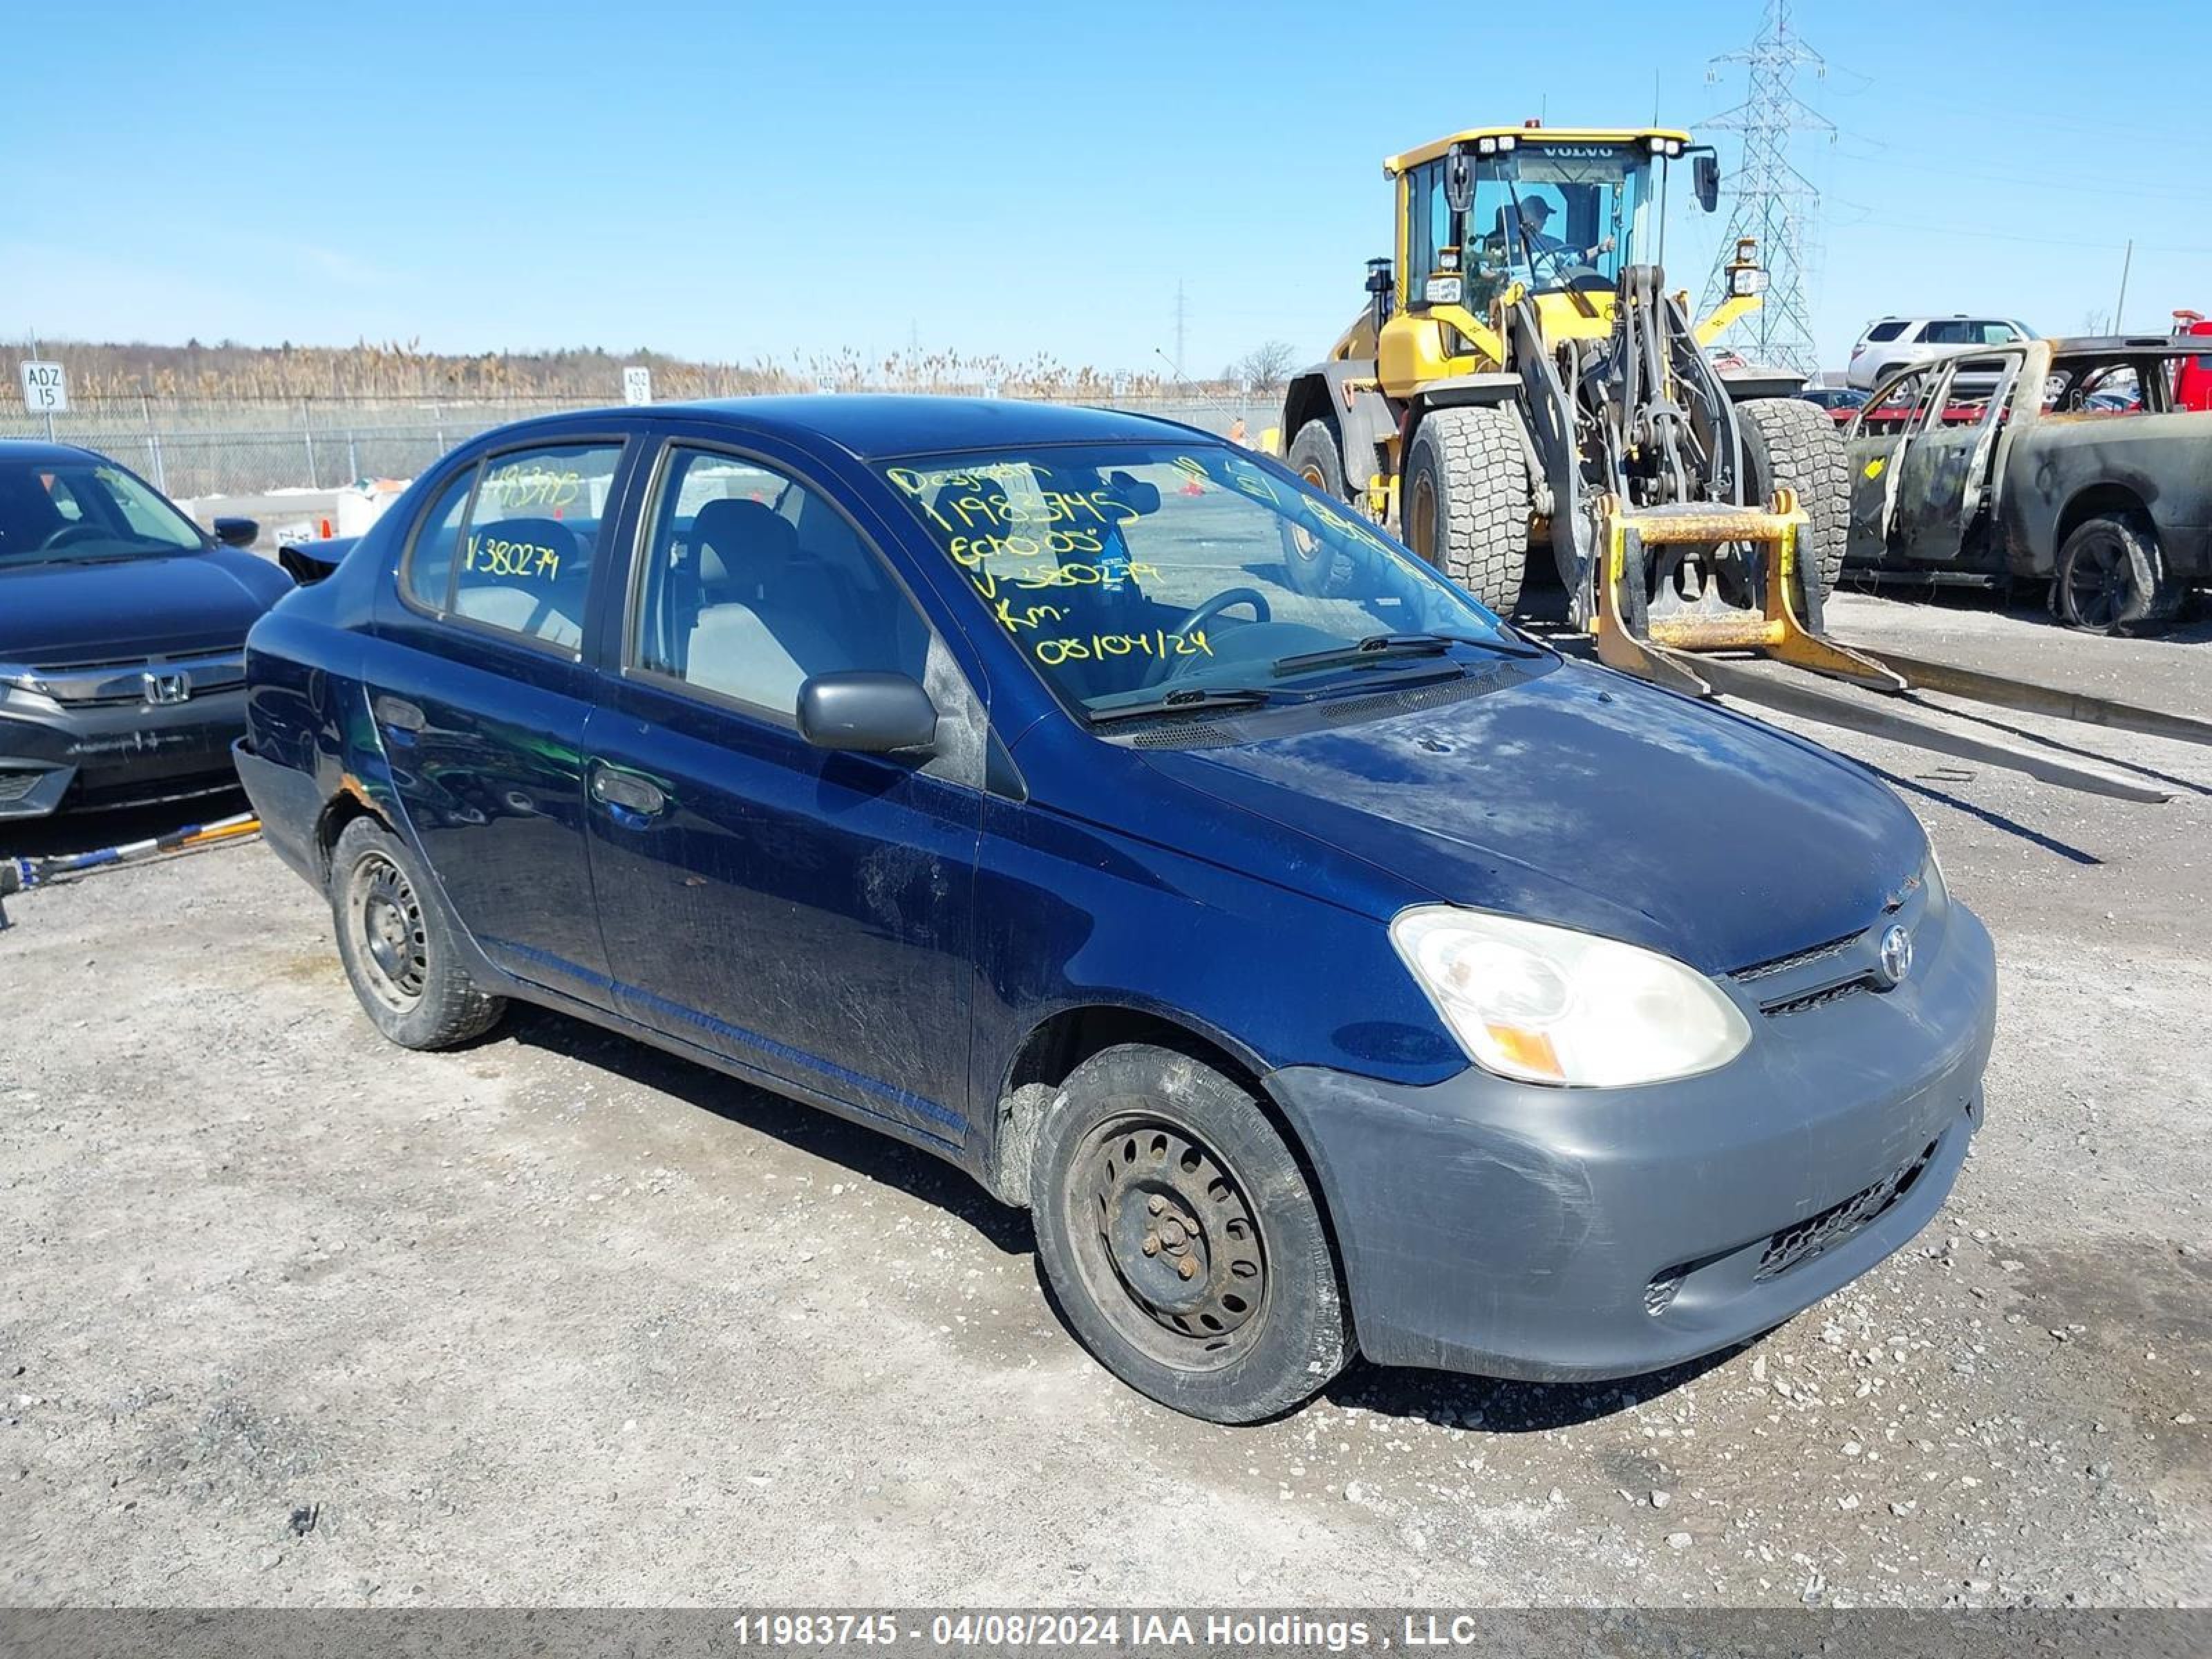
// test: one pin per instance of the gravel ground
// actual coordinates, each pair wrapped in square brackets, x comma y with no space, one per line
[291,1316]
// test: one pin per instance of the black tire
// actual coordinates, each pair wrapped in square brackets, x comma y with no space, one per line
[1789,442]
[2112,579]
[1312,567]
[398,945]
[1144,1146]
[1464,502]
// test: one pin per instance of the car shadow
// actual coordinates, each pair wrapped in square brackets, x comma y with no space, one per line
[1502,1405]
[1439,1397]
[2192,627]
[1444,1398]
[863,1150]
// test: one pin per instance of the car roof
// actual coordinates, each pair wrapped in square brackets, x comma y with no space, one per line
[2127,345]
[879,426]
[38,449]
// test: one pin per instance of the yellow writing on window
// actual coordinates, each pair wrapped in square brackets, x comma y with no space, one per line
[533,483]
[496,556]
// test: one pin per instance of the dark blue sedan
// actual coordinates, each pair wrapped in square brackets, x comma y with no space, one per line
[1084,800]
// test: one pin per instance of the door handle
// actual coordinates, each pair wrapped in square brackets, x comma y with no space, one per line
[399,713]
[632,800]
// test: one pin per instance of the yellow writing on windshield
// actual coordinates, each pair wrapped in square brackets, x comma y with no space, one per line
[1098,647]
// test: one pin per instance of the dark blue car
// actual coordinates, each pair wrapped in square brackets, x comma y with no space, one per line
[122,636]
[1325,965]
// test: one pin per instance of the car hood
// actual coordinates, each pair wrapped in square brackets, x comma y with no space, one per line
[100,613]
[1581,797]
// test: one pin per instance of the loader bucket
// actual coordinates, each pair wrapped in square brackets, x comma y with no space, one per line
[1656,637]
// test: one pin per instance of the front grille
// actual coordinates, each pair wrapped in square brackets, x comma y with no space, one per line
[1805,958]
[124,680]
[1819,999]
[1659,1294]
[1816,1235]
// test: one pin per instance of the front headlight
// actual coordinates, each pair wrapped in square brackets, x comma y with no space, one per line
[1549,1005]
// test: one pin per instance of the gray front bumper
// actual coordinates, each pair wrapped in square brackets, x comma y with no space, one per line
[118,754]
[1513,1230]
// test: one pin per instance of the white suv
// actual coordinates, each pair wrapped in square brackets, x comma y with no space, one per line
[1892,343]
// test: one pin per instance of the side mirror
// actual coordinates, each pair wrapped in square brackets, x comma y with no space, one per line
[237,532]
[1705,179]
[867,712]
[1459,182]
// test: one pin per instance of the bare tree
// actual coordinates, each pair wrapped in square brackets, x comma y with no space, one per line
[1265,368]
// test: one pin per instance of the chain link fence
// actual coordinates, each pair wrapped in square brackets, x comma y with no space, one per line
[202,451]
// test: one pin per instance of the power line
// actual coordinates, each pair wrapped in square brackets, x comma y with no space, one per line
[1774,204]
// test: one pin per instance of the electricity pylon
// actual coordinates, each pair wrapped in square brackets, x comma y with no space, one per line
[1772,201]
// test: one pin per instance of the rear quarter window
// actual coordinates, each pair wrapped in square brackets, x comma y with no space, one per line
[428,575]
[1885,331]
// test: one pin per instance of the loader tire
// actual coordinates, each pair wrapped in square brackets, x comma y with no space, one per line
[1465,502]
[1313,568]
[1789,442]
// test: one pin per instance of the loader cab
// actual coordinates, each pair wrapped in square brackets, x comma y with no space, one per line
[1558,212]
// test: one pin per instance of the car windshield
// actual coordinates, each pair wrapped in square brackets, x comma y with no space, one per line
[1556,216]
[1133,575]
[65,511]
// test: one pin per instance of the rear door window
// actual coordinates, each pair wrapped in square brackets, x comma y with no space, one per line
[523,560]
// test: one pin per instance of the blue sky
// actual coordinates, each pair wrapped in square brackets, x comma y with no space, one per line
[737,181]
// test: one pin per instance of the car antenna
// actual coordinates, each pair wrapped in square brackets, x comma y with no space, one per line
[1192,385]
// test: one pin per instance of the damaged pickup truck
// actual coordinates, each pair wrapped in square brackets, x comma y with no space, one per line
[2078,470]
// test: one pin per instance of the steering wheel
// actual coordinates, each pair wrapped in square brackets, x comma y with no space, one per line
[68,534]
[1197,616]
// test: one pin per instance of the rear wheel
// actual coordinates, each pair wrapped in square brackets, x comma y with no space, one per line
[2111,580]
[1464,502]
[1180,1238]
[1313,567]
[1788,442]
[399,949]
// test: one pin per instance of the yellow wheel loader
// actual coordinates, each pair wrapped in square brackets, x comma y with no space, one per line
[1523,401]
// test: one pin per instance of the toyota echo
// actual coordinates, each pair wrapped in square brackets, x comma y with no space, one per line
[1326,965]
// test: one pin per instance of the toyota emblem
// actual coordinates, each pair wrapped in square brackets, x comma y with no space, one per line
[1895,960]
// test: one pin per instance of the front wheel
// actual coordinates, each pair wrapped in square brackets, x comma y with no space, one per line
[1181,1240]
[1789,442]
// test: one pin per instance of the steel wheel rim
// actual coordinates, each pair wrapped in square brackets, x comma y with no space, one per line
[2099,594]
[1167,1243]
[387,926]
[1421,522]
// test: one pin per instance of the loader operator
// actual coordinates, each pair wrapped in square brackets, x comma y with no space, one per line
[1502,247]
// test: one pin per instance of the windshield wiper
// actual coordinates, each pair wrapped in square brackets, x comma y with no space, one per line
[1190,699]
[1379,647]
